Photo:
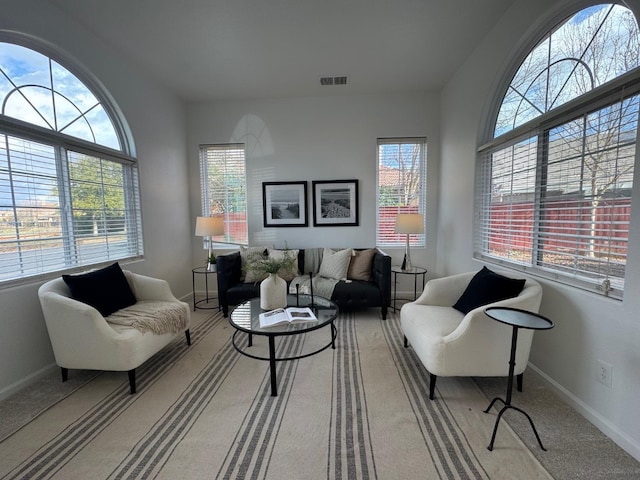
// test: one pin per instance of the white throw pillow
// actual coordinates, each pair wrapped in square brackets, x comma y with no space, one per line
[290,273]
[335,263]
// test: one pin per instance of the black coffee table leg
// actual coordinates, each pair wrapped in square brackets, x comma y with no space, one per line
[272,365]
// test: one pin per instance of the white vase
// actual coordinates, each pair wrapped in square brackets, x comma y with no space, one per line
[273,292]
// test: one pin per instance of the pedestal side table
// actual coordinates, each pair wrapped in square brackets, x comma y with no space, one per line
[517,319]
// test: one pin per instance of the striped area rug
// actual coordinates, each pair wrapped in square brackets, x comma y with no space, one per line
[360,411]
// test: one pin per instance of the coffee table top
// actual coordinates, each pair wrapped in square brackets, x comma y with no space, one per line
[245,316]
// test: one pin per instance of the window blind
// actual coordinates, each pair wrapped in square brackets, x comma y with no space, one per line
[401,187]
[61,209]
[223,189]
[559,200]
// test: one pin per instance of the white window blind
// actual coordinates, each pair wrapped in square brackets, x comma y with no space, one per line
[554,184]
[61,209]
[401,188]
[223,188]
[68,189]
[560,201]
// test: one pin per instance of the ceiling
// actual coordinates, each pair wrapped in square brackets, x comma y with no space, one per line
[236,49]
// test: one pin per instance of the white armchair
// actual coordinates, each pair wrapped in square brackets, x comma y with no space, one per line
[450,343]
[82,339]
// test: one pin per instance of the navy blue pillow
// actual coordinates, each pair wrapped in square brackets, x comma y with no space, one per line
[106,290]
[487,287]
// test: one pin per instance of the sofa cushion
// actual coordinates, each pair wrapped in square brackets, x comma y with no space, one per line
[360,265]
[486,287]
[335,263]
[356,294]
[106,289]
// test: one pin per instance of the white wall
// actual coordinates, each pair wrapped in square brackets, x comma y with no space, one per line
[158,122]
[323,138]
[588,327]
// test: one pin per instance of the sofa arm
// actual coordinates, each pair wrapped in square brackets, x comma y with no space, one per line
[76,330]
[229,271]
[148,288]
[382,275]
[444,292]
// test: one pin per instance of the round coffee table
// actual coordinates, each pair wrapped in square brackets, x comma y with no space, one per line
[245,318]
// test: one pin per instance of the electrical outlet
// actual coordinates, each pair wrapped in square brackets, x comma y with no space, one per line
[604,373]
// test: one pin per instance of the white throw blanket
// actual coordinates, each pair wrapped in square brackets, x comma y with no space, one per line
[152,316]
[322,286]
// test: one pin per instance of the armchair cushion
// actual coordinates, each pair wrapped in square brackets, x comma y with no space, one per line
[487,287]
[107,289]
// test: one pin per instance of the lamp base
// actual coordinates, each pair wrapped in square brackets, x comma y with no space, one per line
[406,263]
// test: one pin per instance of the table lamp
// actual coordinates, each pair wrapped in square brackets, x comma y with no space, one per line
[409,223]
[209,227]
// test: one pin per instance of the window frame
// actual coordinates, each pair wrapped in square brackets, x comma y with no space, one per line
[622,87]
[62,145]
[400,239]
[207,196]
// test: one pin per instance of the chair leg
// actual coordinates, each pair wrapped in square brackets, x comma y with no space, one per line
[65,373]
[432,385]
[519,381]
[132,380]
[187,334]
[406,342]
[384,313]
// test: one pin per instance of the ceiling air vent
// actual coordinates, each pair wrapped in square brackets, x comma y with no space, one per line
[341,80]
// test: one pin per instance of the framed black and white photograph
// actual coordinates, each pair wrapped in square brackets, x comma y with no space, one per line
[335,203]
[284,204]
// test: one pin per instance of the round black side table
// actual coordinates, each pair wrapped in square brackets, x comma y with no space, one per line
[517,319]
[415,271]
[204,303]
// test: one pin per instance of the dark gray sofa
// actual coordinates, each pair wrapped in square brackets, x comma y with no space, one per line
[350,295]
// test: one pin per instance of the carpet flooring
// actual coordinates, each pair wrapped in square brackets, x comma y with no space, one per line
[360,411]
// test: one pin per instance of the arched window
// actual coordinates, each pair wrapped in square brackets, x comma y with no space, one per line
[553,187]
[68,179]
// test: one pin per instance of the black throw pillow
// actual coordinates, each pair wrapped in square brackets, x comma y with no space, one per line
[107,289]
[487,287]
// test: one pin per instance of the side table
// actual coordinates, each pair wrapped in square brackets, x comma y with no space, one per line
[204,303]
[517,319]
[415,271]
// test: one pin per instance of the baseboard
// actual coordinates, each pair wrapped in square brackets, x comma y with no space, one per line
[629,445]
[26,381]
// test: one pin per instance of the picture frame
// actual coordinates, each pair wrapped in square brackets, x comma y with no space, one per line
[284,204]
[335,203]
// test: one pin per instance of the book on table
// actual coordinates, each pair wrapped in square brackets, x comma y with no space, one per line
[281,316]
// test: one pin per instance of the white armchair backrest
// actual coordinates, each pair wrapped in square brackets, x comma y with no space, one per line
[57,286]
[529,299]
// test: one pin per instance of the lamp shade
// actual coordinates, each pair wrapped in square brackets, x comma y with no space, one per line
[410,223]
[209,226]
